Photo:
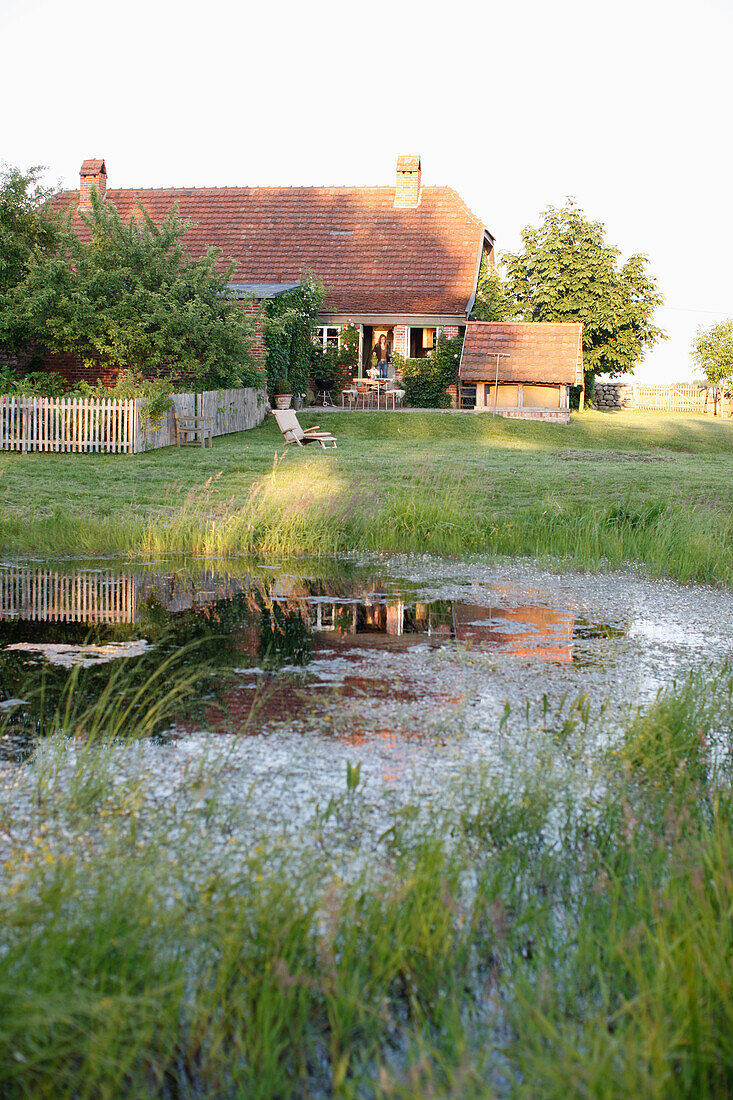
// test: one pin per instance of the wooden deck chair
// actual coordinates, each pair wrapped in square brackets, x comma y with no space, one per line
[287,422]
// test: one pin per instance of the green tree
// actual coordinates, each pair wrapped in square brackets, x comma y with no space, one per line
[567,272]
[126,294]
[494,300]
[712,350]
[27,227]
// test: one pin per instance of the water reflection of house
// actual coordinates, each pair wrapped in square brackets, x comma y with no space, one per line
[376,622]
[355,617]
[540,632]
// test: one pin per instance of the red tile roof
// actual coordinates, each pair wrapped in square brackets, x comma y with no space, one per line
[539,352]
[372,258]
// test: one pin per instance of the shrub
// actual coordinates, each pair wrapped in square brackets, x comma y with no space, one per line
[37,383]
[329,371]
[131,384]
[349,349]
[423,389]
[129,296]
[288,332]
[425,381]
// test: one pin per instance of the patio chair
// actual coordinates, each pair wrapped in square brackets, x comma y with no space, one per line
[348,394]
[287,422]
[396,394]
[364,394]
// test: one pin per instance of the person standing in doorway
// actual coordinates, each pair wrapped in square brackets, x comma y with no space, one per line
[383,351]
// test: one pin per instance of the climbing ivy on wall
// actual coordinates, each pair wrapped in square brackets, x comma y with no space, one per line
[289,322]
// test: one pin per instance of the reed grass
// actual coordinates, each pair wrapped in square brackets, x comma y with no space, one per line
[548,934]
[653,489]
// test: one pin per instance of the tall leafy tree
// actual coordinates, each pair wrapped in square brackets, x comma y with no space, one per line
[494,299]
[566,271]
[712,350]
[125,293]
[27,228]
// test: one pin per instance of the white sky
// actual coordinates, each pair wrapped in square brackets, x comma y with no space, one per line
[625,105]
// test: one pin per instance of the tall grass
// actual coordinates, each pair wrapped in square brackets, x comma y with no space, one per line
[646,489]
[435,515]
[540,937]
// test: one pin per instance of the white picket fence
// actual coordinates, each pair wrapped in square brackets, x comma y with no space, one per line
[67,424]
[115,426]
[683,396]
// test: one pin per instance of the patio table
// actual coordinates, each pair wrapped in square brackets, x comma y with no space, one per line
[380,386]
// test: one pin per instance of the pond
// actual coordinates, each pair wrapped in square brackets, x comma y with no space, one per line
[210,763]
[397,652]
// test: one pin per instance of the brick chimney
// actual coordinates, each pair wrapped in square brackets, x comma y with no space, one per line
[407,187]
[92,174]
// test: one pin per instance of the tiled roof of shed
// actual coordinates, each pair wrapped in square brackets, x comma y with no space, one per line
[372,257]
[539,352]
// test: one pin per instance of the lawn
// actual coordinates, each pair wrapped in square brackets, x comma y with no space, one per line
[614,488]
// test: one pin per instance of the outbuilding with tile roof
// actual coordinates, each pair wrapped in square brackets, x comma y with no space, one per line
[522,369]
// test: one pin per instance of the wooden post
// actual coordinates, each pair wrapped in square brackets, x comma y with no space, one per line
[25,430]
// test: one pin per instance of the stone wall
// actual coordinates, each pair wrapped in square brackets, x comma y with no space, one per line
[614,395]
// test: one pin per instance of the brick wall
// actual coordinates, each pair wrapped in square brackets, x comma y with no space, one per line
[400,340]
[69,366]
[255,308]
[73,370]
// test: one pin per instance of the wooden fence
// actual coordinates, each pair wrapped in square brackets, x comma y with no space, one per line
[67,424]
[114,426]
[103,595]
[685,396]
[231,410]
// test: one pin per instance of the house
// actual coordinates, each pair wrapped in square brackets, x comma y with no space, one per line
[521,370]
[402,260]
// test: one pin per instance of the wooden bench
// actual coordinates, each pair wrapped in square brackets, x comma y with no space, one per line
[191,429]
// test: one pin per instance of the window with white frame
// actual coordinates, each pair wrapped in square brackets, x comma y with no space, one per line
[422,342]
[327,336]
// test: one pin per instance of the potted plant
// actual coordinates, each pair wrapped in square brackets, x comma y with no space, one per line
[283,394]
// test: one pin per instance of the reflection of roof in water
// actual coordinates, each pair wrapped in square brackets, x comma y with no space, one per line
[538,632]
